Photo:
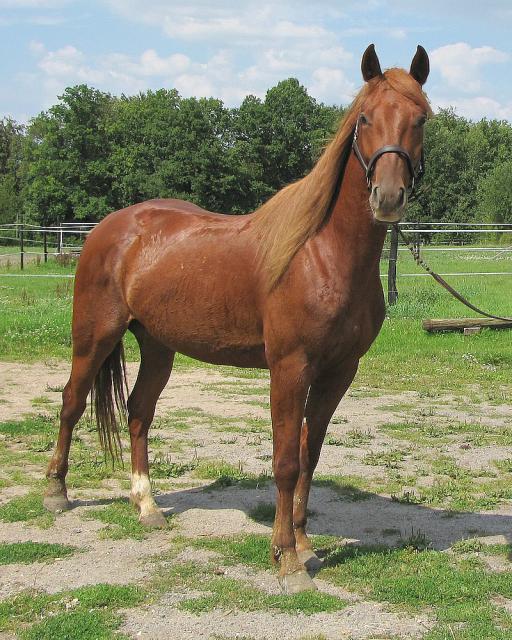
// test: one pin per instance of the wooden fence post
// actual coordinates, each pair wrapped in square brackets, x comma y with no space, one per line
[22,247]
[393,253]
[45,245]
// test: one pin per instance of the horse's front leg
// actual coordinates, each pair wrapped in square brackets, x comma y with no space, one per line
[288,392]
[324,396]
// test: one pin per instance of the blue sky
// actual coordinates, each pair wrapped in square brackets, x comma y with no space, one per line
[229,49]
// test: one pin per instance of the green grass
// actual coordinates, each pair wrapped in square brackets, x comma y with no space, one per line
[121,519]
[30,426]
[228,593]
[226,474]
[432,433]
[459,591]
[351,488]
[352,439]
[232,594]
[28,508]
[36,321]
[252,549]
[75,625]
[86,613]
[28,552]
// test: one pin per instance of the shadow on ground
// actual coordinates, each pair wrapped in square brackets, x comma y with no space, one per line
[364,517]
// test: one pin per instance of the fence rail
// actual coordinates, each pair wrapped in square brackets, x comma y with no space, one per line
[29,240]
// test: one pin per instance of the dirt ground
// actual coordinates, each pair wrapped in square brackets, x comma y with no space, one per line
[28,389]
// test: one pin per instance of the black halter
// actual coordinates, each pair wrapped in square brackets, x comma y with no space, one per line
[369,168]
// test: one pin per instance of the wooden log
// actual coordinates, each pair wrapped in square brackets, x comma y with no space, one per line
[459,324]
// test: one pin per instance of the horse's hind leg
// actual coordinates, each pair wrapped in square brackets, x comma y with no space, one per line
[324,396]
[155,369]
[89,353]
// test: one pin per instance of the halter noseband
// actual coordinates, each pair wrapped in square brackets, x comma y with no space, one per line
[369,168]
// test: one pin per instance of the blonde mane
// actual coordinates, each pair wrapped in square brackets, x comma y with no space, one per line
[296,212]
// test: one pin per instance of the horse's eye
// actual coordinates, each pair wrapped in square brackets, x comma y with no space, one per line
[421,121]
[363,118]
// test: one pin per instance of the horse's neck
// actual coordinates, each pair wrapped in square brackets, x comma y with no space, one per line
[352,228]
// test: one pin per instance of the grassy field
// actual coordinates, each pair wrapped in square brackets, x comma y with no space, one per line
[421,484]
[36,312]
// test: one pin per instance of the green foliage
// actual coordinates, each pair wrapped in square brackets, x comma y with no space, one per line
[65,163]
[263,512]
[92,153]
[226,474]
[495,194]
[11,139]
[228,593]
[249,549]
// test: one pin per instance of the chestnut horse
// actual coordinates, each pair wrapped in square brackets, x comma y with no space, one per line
[293,287]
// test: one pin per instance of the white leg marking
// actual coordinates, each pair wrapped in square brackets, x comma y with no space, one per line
[141,493]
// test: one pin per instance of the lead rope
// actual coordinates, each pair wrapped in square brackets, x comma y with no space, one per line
[421,263]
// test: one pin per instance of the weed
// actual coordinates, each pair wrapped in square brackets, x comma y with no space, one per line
[163,467]
[263,512]
[416,540]
[388,459]
[227,475]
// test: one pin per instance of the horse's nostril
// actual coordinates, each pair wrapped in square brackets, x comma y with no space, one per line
[401,196]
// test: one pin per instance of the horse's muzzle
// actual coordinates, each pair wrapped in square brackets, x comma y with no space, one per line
[388,204]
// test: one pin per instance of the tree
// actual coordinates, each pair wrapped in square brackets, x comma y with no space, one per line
[65,158]
[11,141]
[494,194]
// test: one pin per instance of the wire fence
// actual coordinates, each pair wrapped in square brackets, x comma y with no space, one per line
[488,243]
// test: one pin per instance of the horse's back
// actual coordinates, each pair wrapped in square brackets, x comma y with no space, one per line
[188,275]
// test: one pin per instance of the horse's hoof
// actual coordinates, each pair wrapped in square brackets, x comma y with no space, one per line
[296,583]
[153,520]
[310,560]
[56,503]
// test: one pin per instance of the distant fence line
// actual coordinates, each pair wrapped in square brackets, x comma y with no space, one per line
[67,238]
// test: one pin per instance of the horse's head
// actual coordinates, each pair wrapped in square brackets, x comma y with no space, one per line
[388,138]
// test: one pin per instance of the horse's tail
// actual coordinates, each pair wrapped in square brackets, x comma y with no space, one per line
[108,402]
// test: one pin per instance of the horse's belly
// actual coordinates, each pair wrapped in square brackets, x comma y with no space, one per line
[203,327]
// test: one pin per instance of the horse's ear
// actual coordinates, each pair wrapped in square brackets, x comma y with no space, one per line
[420,65]
[370,65]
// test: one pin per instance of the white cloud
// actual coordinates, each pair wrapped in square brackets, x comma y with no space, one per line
[246,51]
[332,85]
[477,107]
[194,85]
[247,22]
[460,65]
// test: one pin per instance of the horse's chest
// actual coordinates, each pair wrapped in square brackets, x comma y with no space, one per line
[352,328]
